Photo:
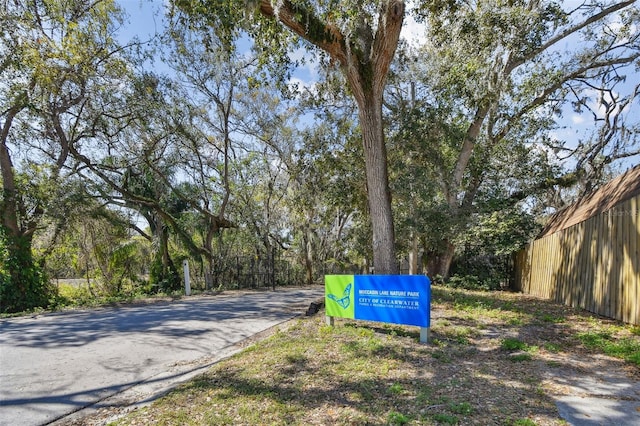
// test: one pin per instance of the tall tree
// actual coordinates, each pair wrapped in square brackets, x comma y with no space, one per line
[360,38]
[504,67]
[56,57]
[212,81]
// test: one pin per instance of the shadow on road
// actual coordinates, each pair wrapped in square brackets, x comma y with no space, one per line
[75,329]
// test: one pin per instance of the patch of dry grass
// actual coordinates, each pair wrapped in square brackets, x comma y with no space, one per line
[489,362]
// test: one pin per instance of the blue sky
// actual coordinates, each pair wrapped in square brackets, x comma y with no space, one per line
[145,19]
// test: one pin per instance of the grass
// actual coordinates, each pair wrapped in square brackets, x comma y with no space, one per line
[360,373]
[605,341]
[79,296]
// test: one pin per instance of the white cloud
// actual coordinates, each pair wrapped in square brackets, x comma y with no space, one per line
[311,63]
[412,31]
[577,119]
[302,85]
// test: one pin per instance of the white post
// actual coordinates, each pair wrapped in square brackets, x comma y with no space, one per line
[329,320]
[187,283]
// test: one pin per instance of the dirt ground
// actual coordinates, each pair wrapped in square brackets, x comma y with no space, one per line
[550,377]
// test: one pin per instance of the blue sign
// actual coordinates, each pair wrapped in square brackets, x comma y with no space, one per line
[398,299]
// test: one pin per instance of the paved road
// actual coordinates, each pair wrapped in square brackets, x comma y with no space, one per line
[598,398]
[55,364]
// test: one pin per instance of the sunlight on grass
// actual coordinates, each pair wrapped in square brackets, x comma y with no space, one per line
[605,341]
[359,373]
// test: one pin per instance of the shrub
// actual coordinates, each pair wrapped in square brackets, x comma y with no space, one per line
[473,282]
[23,284]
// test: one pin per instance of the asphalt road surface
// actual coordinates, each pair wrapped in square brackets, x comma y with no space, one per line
[56,364]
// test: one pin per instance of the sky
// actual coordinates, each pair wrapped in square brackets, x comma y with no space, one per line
[145,20]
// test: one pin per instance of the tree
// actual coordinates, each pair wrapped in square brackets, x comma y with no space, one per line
[328,196]
[501,67]
[211,83]
[360,39]
[616,133]
[56,57]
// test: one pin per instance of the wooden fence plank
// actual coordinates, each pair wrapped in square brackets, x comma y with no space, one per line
[625,261]
[632,274]
[591,264]
[585,253]
[625,227]
[597,265]
[594,265]
[617,257]
[608,267]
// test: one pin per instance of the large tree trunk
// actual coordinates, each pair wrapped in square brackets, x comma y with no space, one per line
[9,206]
[364,56]
[308,257]
[414,255]
[27,286]
[378,193]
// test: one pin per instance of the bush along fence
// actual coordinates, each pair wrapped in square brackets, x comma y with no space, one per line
[593,264]
[475,269]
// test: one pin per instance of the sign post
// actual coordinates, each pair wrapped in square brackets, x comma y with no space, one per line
[424,334]
[187,278]
[398,299]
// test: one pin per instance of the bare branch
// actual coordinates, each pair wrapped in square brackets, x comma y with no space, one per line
[516,62]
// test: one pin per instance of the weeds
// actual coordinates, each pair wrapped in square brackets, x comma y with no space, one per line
[359,373]
[626,348]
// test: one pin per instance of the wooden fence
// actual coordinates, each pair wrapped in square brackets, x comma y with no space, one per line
[593,265]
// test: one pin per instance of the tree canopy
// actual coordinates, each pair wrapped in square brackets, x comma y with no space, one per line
[459,142]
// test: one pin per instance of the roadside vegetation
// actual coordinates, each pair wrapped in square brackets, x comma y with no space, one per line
[219,140]
[492,359]
[68,295]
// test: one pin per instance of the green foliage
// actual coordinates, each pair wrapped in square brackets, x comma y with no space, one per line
[552,347]
[513,344]
[483,263]
[164,277]
[552,319]
[23,284]
[524,422]
[74,296]
[446,419]
[396,389]
[463,408]
[605,341]
[223,23]
[94,293]
[503,232]
[473,282]
[396,418]
[495,76]
[63,57]
[520,357]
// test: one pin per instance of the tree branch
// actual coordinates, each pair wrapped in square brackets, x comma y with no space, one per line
[542,98]
[303,22]
[386,41]
[566,33]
